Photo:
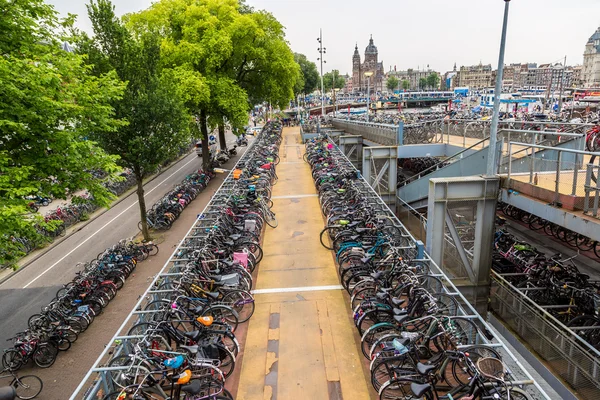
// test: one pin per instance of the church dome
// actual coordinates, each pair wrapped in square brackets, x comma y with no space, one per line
[371,48]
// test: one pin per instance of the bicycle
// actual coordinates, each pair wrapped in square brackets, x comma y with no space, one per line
[26,386]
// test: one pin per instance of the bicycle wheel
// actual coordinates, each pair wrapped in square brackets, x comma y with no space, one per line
[242,302]
[45,355]
[537,223]
[397,389]
[12,359]
[152,250]
[28,386]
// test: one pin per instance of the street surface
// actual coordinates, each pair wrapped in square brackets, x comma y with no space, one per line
[35,286]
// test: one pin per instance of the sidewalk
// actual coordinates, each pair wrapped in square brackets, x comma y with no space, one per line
[301,342]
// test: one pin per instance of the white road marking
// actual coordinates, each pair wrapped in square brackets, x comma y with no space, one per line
[297,289]
[105,225]
[294,196]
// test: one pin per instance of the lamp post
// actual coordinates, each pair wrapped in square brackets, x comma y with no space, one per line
[321,51]
[491,164]
[368,75]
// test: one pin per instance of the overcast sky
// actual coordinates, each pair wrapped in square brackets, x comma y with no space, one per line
[415,33]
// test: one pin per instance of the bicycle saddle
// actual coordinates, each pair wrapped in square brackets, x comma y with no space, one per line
[7,393]
[397,302]
[400,318]
[419,389]
[425,369]
[194,335]
[399,311]
[377,275]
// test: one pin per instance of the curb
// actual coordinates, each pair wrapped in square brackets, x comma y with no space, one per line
[95,215]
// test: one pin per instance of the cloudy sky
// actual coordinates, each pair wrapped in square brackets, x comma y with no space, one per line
[417,33]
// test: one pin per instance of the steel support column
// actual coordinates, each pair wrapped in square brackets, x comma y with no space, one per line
[442,193]
[352,147]
[379,167]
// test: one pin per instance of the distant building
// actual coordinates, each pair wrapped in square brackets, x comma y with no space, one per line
[576,79]
[591,61]
[476,76]
[414,76]
[371,64]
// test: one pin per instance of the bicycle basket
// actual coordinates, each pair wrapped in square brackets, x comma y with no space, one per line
[491,368]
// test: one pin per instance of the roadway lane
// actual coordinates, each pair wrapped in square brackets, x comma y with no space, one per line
[24,293]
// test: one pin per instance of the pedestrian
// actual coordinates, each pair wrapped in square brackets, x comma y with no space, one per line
[254,121]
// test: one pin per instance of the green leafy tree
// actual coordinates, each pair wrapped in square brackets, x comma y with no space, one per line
[423,83]
[50,106]
[328,77]
[158,121]
[433,80]
[243,57]
[392,83]
[310,75]
[405,84]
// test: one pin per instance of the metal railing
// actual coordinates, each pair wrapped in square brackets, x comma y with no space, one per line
[568,355]
[592,190]
[413,249]
[559,171]
[383,134]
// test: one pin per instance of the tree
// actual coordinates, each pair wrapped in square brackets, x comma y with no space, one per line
[392,83]
[158,121]
[423,83]
[405,84]
[50,105]
[433,80]
[309,75]
[243,57]
[340,82]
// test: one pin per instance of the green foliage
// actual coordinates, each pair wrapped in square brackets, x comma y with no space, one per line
[422,83]
[309,78]
[405,84]
[433,80]
[340,82]
[153,103]
[50,106]
[392,83]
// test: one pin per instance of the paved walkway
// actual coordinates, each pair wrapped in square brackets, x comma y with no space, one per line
[301,342]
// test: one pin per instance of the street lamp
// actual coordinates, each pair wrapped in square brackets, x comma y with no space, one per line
[321,51]
[491,164]
[368,75]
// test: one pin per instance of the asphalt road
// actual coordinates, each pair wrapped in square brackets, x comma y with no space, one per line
[36,285]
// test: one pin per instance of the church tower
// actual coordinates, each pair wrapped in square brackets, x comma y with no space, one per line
[356,73]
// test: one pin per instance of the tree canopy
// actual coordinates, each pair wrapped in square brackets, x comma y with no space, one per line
[433,80]
[392,83]
[50,108]
[328,77]
[309,78]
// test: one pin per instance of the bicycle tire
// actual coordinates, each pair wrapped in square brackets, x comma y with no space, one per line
[12,359]
[27,386]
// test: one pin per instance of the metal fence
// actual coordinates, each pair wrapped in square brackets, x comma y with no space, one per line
[414,251]
[566,354]
[383,134]
[552,174]
[591,199]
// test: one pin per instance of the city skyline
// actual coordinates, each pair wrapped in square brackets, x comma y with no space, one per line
[420,33]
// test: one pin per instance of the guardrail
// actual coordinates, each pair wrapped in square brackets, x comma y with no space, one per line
[121,344]
[567,354]
[592,190]
[414,250]
[558,173]
[382,134]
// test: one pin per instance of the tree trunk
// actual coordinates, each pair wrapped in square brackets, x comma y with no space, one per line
[222,142]
[204,132]
[141,202]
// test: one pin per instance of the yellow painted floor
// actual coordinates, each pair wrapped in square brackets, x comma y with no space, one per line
[301,344]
